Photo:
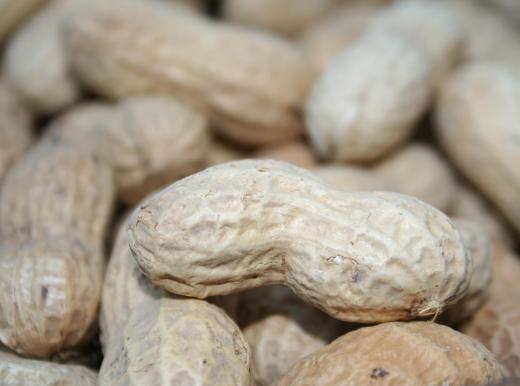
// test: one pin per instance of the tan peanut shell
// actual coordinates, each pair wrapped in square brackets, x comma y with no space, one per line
[54,208]
[368,99]
[148,141]
[470,206]
[339,28]
[15,128]
[154,340]
[13,12]
[431,25]
[497,323]
[295,152]
[415,353]
[257,102]
[282,16]
[357,256]
[17,371]
[480,249]
[480,131]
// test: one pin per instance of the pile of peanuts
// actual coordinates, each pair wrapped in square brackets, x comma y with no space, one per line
[259,192]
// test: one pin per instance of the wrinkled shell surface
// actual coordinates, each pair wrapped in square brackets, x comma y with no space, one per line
[368,98]
[16,371]
[479,126]
[497,324]
[258,102]
[15,128]
[415,353]
[358,256]
[178,342]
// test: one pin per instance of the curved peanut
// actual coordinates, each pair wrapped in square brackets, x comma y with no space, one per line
[481,131]
[388,354]
[16,371]
[497,323]
[54,207]
[360,107]
[13,12]
[479,247]
[15,128]
[339,28]
[432,25]
[148,336]
[258,102]
[357,256]
[285,16]
[148,141]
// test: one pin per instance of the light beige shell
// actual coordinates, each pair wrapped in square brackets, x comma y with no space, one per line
[15,128]
[431,25]
[479,246]
[358,256]
[282,16]
[13,12]
[420,171]
[340,27]
[16,371]
[470,206]
[416,353]
[148,141]
[489,36]
[54,208]
[368,99]
[478,121]
[176,342]
[253,90]
[295,152]
[497,324]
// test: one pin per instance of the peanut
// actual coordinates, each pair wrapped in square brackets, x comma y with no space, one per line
[54,208]
[148,336]
[367,257]
[16,371]
[497,323]
[148,141]
[416,353]
[15,128]
[256,103]
[481,132]
[352,114]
